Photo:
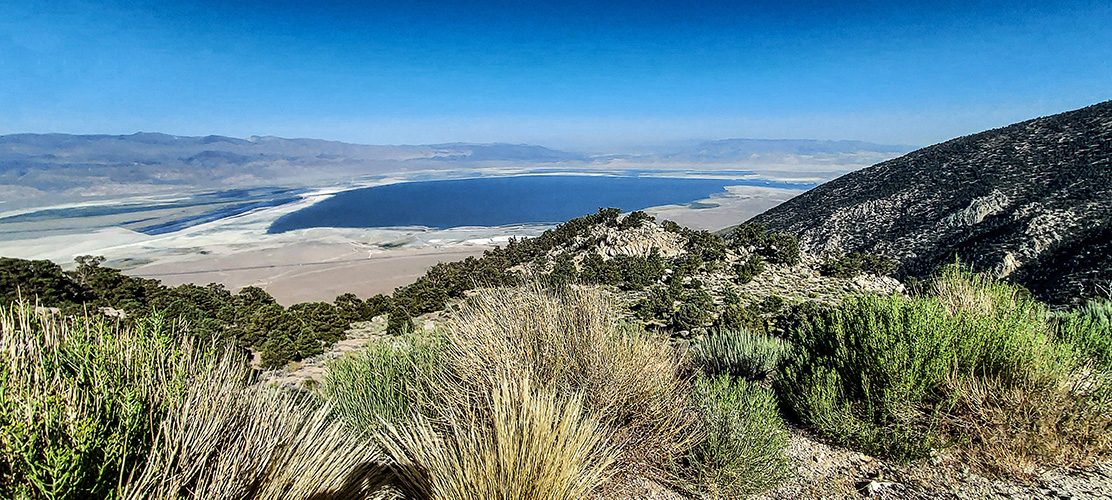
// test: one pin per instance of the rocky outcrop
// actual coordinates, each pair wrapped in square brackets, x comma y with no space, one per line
[637,242]
[1031,202]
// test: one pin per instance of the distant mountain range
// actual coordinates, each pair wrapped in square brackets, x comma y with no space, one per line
[1031,202]
[32,166]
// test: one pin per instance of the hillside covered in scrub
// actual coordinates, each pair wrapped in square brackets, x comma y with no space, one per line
[675,280]
[613,357]
[1030,202]
[541,392]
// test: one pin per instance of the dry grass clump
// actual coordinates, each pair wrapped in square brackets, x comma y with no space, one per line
[229,440]
[570,342]
[92,410]
[523,442]
[1018,430]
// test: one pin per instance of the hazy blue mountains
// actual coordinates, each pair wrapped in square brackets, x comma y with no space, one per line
[49,168]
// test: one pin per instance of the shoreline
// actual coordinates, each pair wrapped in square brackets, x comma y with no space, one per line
[314,264]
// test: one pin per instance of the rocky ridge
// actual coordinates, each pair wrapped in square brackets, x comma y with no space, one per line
[1030,202]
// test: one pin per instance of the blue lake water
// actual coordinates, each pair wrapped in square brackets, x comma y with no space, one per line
[498,201]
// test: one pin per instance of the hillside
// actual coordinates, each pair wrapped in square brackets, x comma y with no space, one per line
[1029,202]
[689,365]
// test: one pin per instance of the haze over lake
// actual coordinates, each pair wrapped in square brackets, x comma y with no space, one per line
[499,201]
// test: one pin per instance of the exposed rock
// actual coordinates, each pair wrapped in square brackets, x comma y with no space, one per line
[638,241]
[1031,202]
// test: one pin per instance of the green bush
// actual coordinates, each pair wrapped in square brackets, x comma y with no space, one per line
[1088,331]
[850,265]
[865,373]
[635,219]
[748,236]
[689,317]
[972,363]
[81,400]
[745,439]
[738,352]
[777,248]
[771,304]
[563,270]
[658,305]
[737,316]
[781,248]
[387,383]
[751,267]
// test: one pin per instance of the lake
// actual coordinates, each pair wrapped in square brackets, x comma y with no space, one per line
[499,201]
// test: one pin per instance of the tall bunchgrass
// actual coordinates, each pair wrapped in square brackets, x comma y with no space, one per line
[743,450]
[522,442]
[387,383]
[739,352]
[92,410]
[571,341]
[527,393]
[231,440]
[974,363]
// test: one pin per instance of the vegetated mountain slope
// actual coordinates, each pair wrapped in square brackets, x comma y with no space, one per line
[1031,202]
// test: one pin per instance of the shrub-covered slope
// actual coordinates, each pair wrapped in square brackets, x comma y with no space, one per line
[1030,202]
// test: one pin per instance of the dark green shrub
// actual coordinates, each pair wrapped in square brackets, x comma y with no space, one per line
[598,271]
[748,269]
[841,266]
[777,248]
[638,272]
[634,219]
[37,282]
[739,352]
[851,265]
[672,227]
[743,452]
[689,317]
[771,304]
[708,246]
[699,298]
[880,265]
[399,322]
[563,270]
[657,306]
[737,316]
[781,248]
[748,236]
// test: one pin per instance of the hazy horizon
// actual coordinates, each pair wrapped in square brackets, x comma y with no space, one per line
[575,75]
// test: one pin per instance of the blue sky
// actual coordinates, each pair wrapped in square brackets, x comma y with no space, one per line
[569,74]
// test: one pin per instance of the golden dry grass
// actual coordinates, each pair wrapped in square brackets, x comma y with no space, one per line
[570,341]
[230,440]
[524,443]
